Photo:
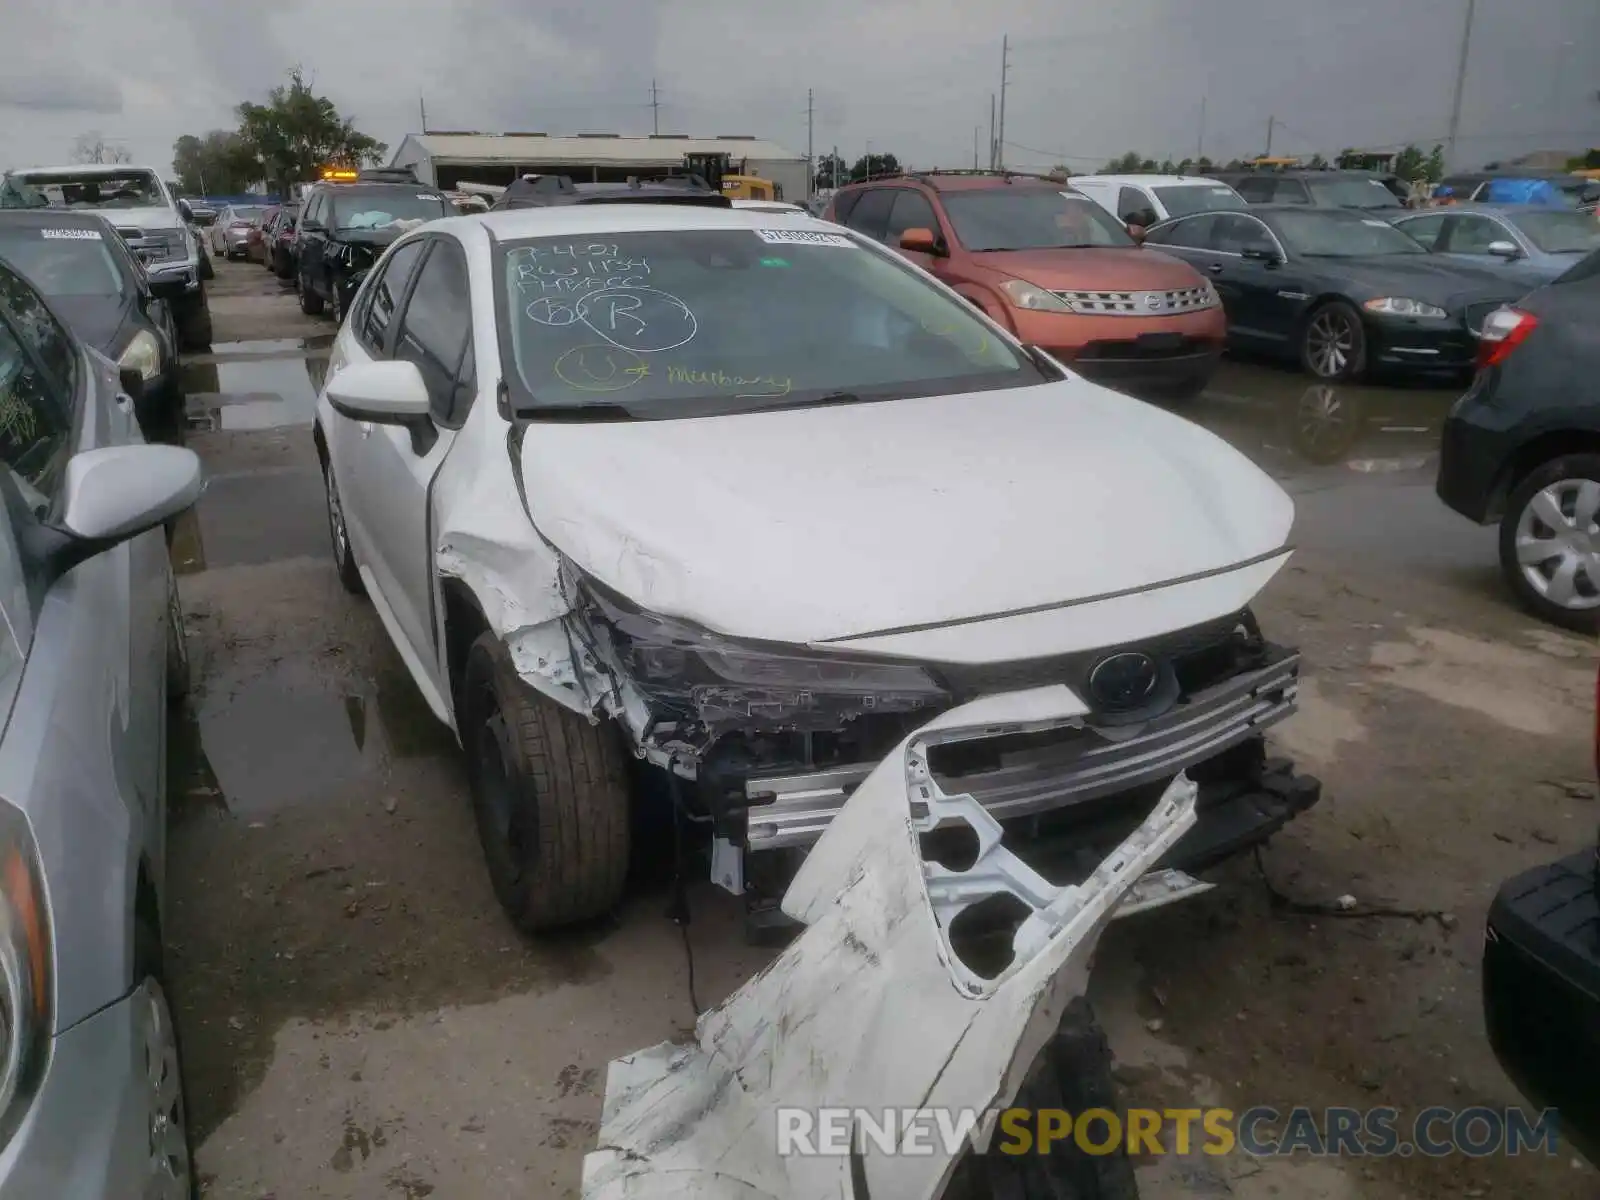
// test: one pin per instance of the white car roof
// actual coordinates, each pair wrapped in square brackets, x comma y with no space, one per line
[560,220]
[1156,180]
[782,206]
[84,169]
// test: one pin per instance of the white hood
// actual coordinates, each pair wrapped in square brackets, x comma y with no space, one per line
[155,216]
[809,525]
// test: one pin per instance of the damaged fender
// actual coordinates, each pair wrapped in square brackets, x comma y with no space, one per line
[872,1007]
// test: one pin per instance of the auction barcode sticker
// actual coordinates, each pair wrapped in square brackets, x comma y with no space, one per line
[74,235]
[802,237]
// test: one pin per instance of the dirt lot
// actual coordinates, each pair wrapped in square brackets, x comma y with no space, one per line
[360,1021]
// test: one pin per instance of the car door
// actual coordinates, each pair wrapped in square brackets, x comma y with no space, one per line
[101,628]
[870,213]
[395,468]
[1262,293]
[367,337]
[1469,235]
[313,243]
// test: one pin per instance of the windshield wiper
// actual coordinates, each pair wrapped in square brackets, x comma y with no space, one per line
[577,412]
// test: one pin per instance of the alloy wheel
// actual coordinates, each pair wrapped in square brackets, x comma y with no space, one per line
[1558,543]
[1332,343]
[170,1168]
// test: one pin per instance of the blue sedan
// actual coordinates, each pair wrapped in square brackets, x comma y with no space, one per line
[1531,244]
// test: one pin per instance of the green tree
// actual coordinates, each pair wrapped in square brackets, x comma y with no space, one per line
[1317,162]
[831,171]
[1410,163]
[871,166]
[1433,168]
[1204,164]
[1168,167]
[296,131]
[218,164]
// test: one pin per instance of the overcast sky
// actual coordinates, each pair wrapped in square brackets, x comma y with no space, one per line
[909,76]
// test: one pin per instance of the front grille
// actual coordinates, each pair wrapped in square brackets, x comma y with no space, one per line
[1138,304]
[1150,348]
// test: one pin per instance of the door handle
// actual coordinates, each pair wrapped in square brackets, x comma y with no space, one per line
[1216,268]
[366,429]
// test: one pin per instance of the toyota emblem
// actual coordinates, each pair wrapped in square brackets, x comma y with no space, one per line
[1125,680]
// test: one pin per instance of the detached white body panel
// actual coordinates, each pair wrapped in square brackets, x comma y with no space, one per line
[871,1008]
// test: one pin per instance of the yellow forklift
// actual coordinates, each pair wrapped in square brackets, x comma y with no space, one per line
[721,174]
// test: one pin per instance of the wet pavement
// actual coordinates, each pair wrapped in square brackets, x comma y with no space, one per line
[360,1021]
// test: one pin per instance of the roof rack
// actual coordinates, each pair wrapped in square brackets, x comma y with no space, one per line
[969,172]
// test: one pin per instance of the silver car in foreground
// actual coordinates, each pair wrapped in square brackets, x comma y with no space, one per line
[91,649]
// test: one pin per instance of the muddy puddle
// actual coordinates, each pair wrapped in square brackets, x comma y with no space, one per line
[1296,428]
[255,390]
[295,735]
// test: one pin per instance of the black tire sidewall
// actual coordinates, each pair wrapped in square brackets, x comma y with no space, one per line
[1357,366]
[344,559]
[1567,466]
[479,702]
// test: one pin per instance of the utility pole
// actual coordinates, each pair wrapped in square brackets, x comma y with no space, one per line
[423,105]
[1461,82]
[1200,142]
[1271,121]
[1000,132]
[655,109]
[991,132]
[811,160]
[833,167]
[975,132]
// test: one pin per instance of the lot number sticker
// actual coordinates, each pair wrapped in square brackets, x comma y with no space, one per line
[71,235]
[801,237]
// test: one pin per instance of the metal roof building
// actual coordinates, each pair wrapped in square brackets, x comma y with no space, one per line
[446,159]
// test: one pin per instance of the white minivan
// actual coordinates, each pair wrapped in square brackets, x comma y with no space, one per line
[1157,197]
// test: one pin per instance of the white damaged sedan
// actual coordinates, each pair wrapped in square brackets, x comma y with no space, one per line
[752,500]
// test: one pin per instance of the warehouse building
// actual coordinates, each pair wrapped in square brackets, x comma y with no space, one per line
[447,159]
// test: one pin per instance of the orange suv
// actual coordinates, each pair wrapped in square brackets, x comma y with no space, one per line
[1055,269]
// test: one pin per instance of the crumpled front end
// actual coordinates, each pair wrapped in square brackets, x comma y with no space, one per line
[885,1001]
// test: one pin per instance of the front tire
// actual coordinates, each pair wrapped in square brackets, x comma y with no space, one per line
[339,534]
[1550,542]
[310,302]
[549,793]
[178,675]
[194,322]
[170,1168]
[1072,1072]
[1333,344]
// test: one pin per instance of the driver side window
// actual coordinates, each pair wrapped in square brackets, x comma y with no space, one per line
[382,296]
[1193,233]
[1234,235]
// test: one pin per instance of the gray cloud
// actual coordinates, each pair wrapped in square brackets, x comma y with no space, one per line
[68,93]
[909,76]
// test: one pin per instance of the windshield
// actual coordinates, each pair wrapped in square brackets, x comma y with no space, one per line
[709,321]
[98,189]
[1560,232]
[1184,201]
[62,260]
[1352,193]
[248,212]
[373,208]
[1329,233]
[1030,218]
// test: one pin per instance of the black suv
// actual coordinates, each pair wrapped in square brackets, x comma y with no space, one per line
[1317,189]
[345,225]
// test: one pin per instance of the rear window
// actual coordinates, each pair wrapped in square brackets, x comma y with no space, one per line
[697,322]
[1353,193]
[1024,218]
[62,259]
[1182,201]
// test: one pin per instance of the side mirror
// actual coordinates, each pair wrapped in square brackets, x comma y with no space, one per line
[186,210]
[920,241]
[1503,249]
[110,495]
[167,287]
[385,393]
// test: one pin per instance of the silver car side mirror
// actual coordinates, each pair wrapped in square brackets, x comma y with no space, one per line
[1504,249]
[118,492]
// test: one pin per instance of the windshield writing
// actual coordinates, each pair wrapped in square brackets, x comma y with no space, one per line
[723,320]
[1333,234]
[1024,218]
